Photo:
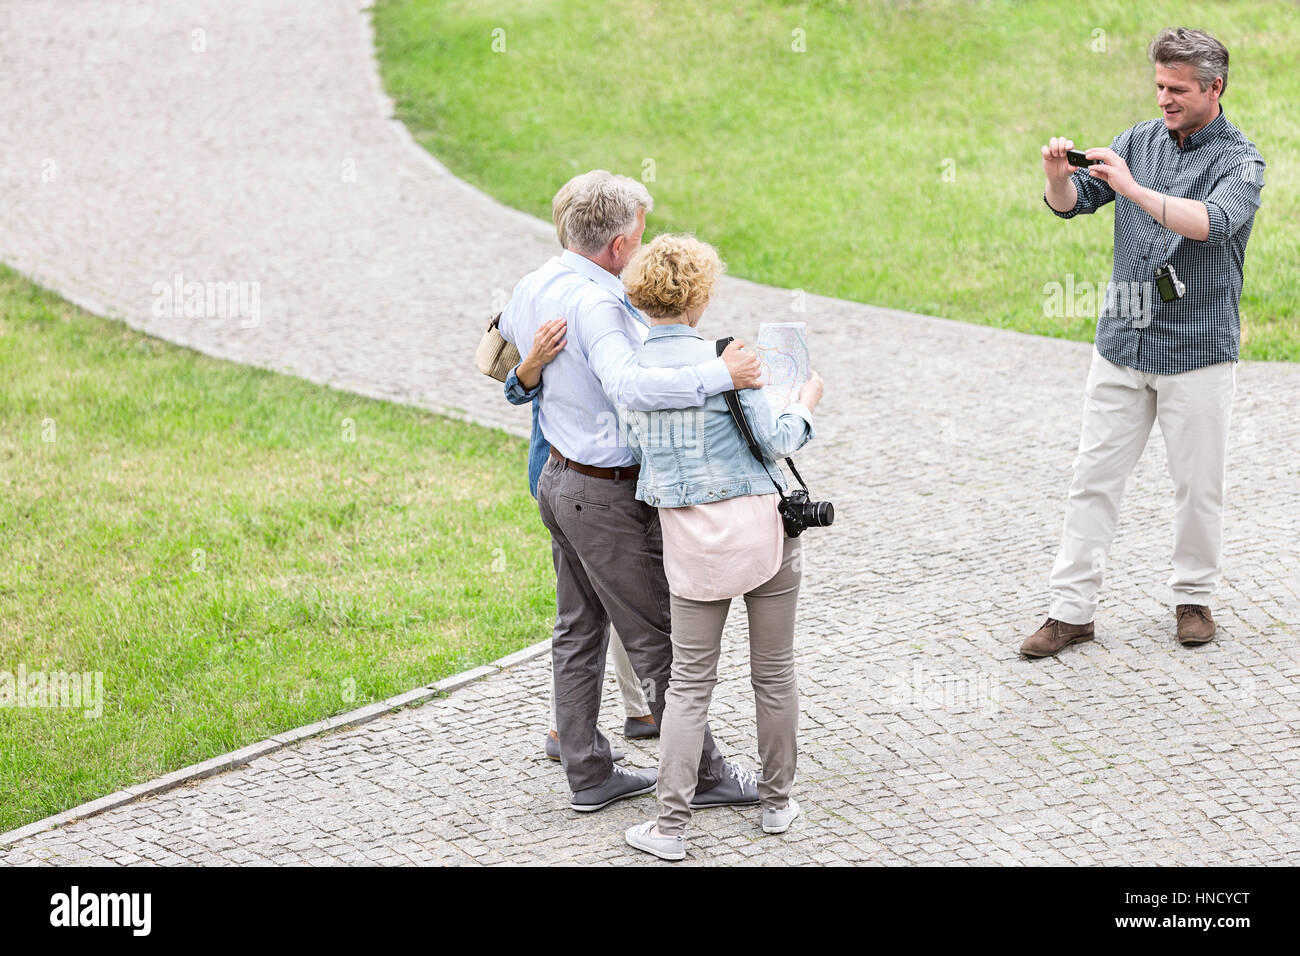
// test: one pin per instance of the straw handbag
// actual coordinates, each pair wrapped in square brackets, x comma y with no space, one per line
[495,356]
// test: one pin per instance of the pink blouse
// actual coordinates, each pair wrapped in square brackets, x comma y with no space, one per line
[722,549]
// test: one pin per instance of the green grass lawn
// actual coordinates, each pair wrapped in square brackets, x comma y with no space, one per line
[208,537]
[895,161]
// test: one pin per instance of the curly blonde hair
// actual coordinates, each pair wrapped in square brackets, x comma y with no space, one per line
[672,275]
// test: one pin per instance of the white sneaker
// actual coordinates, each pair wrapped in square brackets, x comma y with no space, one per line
[778,821]
[666,848]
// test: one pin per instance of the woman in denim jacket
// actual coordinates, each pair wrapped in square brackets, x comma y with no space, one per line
[723,537]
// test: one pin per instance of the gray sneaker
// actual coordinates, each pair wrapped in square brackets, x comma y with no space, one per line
[666,848]
[553,750]
[778,821]
[739,788]
[621,783]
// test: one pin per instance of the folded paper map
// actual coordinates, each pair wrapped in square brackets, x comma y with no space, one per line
[782,350]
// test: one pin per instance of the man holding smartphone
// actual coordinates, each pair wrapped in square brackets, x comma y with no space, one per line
[1186,188]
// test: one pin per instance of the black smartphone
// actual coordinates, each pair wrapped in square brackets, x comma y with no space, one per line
[1075,157]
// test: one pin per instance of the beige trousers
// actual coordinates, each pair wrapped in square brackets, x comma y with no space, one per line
[1194,409]
[697,645]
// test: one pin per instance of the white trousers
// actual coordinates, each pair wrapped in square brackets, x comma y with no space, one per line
[1194,409]
[634,702]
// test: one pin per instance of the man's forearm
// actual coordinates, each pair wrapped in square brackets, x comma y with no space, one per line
[1187,217]
[1061,196]
[650,389]
[657,388]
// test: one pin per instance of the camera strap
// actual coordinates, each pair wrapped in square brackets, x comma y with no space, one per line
[1164,221]
[738,416]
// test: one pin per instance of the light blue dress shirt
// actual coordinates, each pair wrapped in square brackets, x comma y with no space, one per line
[597,370]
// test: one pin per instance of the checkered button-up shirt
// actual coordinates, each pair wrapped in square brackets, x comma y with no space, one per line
[1224,170]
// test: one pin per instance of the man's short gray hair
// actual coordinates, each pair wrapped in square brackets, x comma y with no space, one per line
[593,208]
[1179,45]
[560,209]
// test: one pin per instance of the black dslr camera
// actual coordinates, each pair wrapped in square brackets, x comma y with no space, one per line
[798,513]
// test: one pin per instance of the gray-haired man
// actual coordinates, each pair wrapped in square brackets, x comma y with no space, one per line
[1185,187]
[606,545]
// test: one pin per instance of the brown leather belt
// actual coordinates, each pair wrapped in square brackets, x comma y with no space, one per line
[612,474]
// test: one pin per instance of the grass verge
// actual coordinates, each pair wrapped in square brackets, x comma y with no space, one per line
[883,152]
[237,552]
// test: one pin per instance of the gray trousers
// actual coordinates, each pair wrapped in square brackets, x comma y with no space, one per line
[697,644]
[609,567]
[629,685]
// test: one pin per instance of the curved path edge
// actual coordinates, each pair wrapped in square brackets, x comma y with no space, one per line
[237,758]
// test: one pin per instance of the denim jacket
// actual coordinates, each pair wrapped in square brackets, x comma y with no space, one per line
[693,456]
[538,447]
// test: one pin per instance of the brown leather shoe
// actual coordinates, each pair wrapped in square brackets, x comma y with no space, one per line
[1195,624]
[1055,636]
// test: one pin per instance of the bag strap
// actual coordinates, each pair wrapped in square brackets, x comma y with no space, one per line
[738,416]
